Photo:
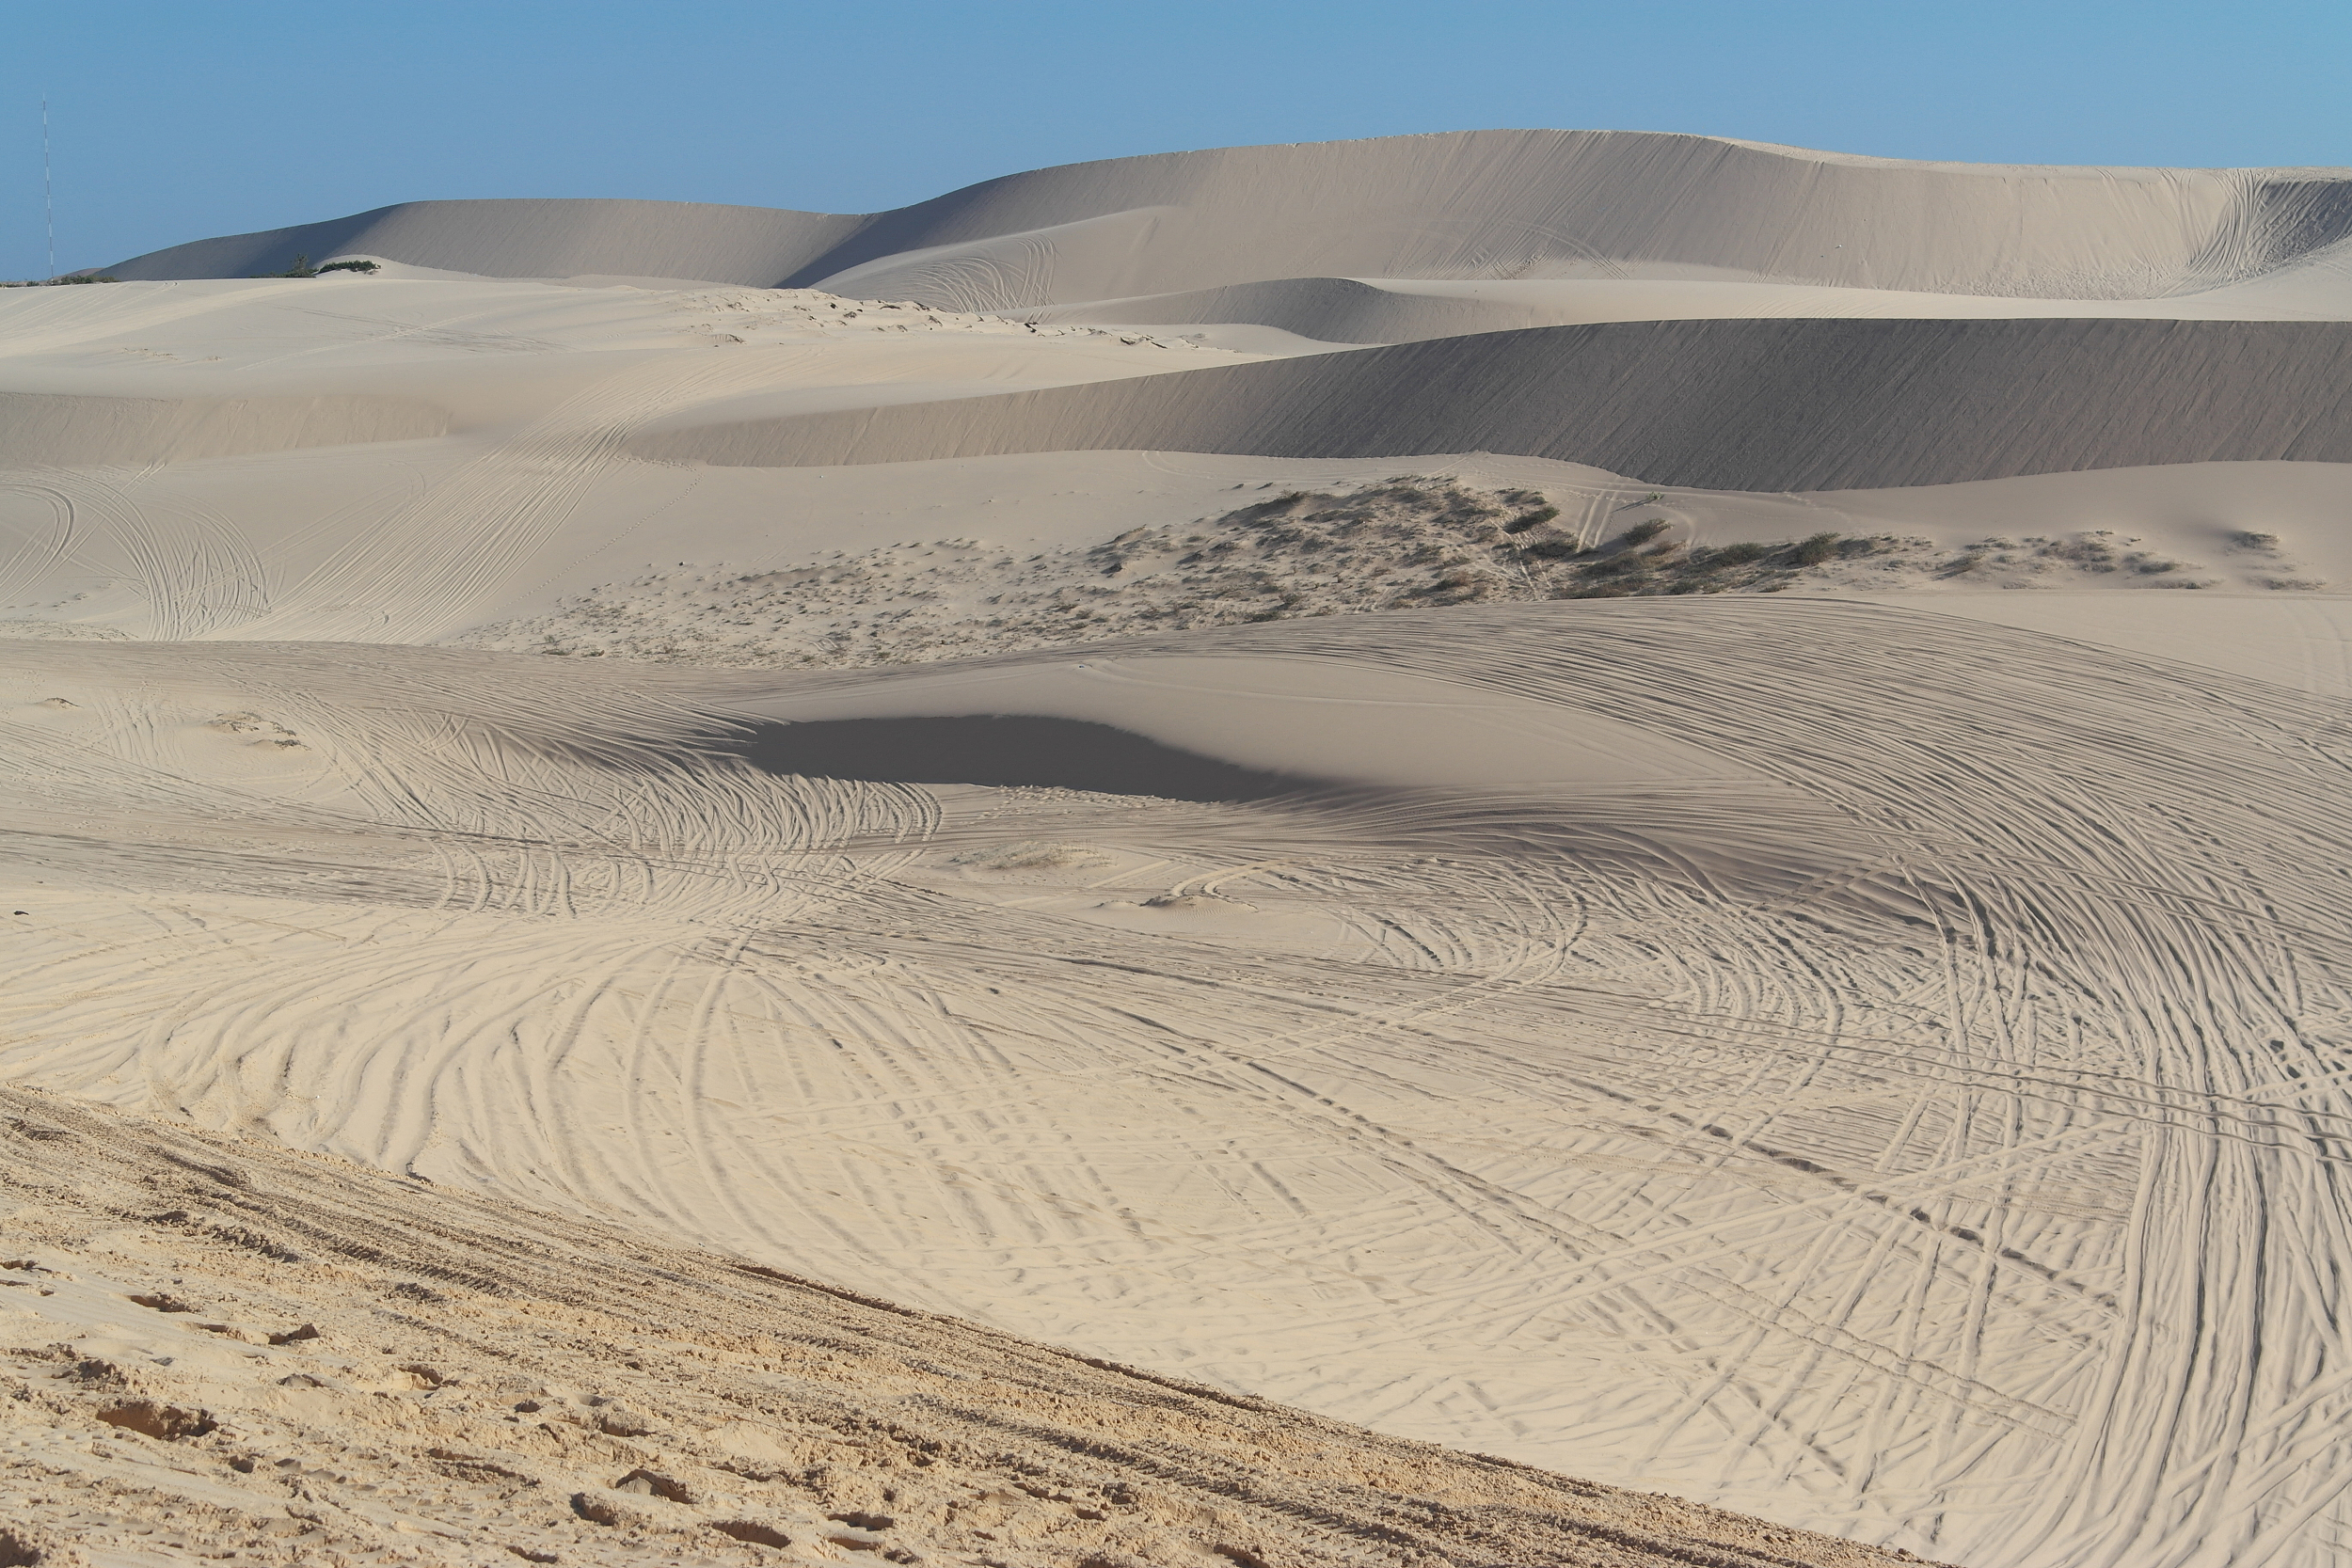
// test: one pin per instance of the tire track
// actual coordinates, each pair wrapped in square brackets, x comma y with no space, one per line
[1940,1143]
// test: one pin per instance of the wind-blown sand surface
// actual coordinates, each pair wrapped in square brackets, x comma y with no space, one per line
[301,1362]
[1478,204]
[1731,886]
[1726,405]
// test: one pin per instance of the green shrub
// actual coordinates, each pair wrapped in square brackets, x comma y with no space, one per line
[1532,520]
[349,266]
[1553,549]
[1737,555]
[1642,533]
[1813,551]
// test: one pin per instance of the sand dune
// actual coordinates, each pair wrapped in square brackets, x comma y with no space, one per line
[135,431]
[1547,791]
[269,365]
[1518,1111]
[1769,405]
[758,246]
[1400,310]
[1726,405]
[281,545]
[1468,204]
[232,1393]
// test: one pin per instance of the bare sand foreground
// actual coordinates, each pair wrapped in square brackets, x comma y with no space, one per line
[269,1357]
[1669,809]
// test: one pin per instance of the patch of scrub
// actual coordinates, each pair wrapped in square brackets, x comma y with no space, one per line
[1406,543]
[57,631]
[1032,854]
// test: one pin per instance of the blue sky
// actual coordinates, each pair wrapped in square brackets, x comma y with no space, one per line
[173,121]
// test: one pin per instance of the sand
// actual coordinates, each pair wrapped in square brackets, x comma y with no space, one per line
[303,1361]
[1833,404]
[1467,204]
[1662,808]
[1410,309]
[1358,1126]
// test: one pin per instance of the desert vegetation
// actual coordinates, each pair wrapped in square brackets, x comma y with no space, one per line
[302,268]
[1411,542]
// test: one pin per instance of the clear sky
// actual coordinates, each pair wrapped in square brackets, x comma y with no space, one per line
[177,120]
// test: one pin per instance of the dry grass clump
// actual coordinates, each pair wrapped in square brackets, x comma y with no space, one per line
[1643,559]
[1031,854]
[1408,543]
[1411,542]
[2095,553]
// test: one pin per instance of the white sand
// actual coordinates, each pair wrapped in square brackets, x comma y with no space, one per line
[1482,204]
[304,1362]
[1408,310]
[1866,1054]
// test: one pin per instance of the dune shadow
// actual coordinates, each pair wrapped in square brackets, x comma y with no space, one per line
[1008,749]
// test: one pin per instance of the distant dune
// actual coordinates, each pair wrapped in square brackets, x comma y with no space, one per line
[528,239]
[1725,406]
[1462,205]
[1409,309]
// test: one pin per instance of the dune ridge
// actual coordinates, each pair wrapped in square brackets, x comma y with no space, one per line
[526,238]
[1399,310]
[52,429]
[1460,204]
[1826,404]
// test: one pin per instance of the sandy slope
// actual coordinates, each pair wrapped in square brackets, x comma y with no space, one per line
[1833,404]
[1874,1065]
[484,356]
[218,1350]
[411,460]
[1409,309]
[1467,204]
[1849,1124]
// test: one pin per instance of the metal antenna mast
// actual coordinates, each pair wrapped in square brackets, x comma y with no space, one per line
[48,202]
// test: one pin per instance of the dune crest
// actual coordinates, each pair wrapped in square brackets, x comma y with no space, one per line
[1723,406]
[1462,205]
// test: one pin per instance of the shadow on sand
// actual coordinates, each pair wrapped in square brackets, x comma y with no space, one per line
[1007,750]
